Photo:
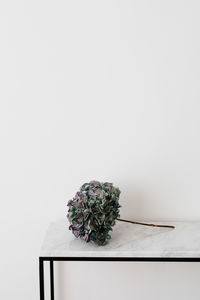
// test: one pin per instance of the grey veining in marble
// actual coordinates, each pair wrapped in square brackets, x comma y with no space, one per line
[128,240]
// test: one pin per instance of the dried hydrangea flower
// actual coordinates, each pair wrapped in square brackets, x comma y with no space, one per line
[93,211]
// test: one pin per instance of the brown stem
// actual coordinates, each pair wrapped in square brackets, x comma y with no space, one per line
[146,224]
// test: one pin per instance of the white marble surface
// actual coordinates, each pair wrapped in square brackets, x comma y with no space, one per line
[128,240]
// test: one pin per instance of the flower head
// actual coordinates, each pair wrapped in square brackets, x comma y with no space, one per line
[93,211]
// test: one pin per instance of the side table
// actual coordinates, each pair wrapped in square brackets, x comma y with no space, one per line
[129,243]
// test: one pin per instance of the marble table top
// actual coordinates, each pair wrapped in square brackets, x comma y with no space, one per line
[127,240]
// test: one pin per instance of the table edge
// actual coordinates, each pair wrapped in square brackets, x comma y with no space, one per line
[121,259]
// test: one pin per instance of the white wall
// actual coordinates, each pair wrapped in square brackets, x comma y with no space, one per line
[105,90]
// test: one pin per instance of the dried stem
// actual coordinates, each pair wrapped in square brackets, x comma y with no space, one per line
[146,224]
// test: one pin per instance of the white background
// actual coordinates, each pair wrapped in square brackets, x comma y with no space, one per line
[106,90]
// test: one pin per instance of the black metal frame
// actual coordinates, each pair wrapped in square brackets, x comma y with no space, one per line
[118,259]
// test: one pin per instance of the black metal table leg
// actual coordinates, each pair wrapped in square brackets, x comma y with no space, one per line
[110,259]
[41,275]
[51,280]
